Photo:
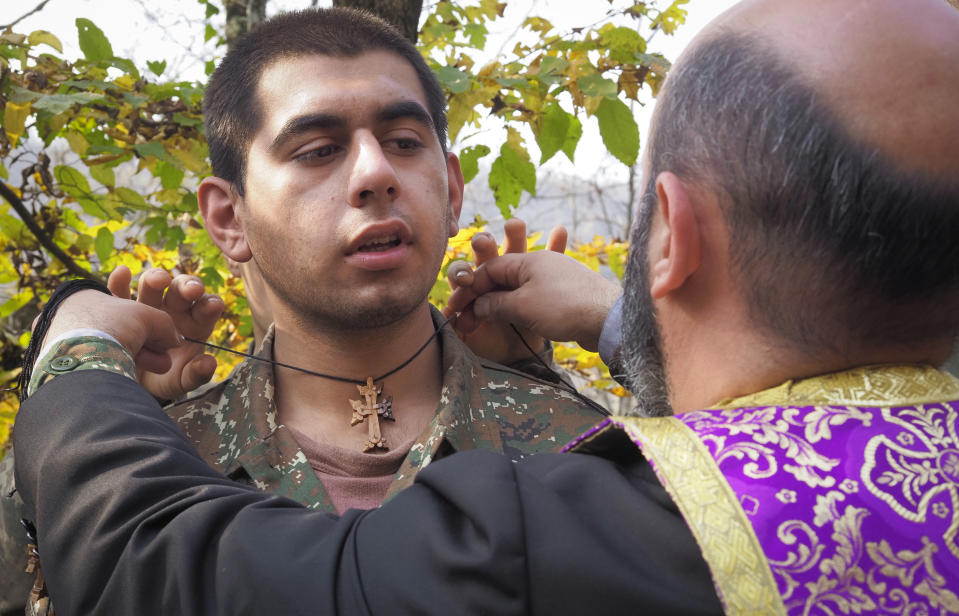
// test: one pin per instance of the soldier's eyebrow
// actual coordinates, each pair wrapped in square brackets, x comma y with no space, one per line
[304,123]
[406,109]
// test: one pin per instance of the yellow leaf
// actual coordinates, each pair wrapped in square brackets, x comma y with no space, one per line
[38,37]
[118,258]
[191,160]
[59,121]
[488,69]
[15,120]
[78,143]
[516,141]
[591,103]
[629,83]
[125,81]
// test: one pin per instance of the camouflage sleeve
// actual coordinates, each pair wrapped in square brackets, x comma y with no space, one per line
[82,353]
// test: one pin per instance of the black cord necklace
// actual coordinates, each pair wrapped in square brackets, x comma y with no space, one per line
[332,377]
[369,409]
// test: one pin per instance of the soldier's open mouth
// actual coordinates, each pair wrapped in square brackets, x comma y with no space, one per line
[380,245]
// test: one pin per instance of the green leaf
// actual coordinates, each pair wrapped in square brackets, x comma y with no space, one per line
[104,244]
[209,33]
[572,137]
[506,190]
[477,35]
[93,43]
[623,43]
[71,181]
[3,172]
[211,9]
[512,82]
[597,85]
[185,120]
[98,207]
[131,198]
[20,95]
[38,37]
[618,128]
[453,79]
[175,237]
[150,148]
[211,278]
[520,168]
[552,65]
[134,100]
[509,176]
[553,130]
[58,103]
[157,66]
[127,66]
[103,174]
[209,67]
[13,228]
[469,160]
[169,175]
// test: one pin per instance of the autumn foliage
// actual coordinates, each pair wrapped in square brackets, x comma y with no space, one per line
[100,158]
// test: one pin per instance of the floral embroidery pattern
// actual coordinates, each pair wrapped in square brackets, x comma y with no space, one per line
[909,479]
[772,435]
[867,501]
[786,496]
[849,486]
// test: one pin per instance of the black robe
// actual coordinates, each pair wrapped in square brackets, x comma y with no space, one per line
[131,521]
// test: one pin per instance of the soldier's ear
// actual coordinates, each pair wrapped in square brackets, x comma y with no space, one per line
[219,205]
[454,176]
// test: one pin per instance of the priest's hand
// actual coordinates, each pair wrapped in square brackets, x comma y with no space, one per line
[544,292]
[147,333]
[496,340]
[194,313]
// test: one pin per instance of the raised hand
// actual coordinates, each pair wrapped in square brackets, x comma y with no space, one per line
[194,314]
[543,292]
[496,340]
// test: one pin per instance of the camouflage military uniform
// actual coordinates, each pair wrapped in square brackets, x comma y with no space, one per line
[234,423]
[483,405]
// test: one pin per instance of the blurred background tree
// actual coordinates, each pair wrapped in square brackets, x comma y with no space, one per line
[100,155]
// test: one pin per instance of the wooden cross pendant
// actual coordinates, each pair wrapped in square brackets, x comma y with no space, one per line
[370,410]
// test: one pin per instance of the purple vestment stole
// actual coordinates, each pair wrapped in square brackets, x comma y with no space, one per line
[832,495]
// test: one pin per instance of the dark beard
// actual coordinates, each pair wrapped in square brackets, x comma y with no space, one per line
[641,346]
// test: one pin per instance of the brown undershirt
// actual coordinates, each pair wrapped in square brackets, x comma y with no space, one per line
[353,479]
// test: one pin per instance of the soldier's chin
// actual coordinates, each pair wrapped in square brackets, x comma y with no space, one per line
[382,314]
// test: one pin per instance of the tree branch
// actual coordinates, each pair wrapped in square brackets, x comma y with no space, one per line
[38,8]
[45,240]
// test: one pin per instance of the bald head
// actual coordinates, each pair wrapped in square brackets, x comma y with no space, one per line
[829,134]
[888,69]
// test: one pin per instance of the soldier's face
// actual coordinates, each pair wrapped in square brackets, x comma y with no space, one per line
[349,197]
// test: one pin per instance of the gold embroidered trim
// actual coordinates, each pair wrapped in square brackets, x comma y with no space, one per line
[867,386]
[729,544]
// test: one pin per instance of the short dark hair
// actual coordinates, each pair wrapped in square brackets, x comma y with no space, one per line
[232,112]
[831,242]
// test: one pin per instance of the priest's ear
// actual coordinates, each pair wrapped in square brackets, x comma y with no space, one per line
[675,243]
[219,201]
